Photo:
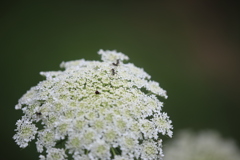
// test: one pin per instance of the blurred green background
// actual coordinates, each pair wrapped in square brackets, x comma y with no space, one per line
[190,47]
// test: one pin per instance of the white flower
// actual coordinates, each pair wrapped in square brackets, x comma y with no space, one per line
[161,122]
[99,150]
[150,150]
[54,154]
[112,56]
[95,110]
[46,138]
[25,132]
[205,145]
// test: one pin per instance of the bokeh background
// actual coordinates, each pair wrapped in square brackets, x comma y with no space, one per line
[191,47]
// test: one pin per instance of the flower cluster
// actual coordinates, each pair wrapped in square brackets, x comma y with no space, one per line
[206,145]
[95,110]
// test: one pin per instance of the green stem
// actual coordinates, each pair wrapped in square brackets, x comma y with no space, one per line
[113,151]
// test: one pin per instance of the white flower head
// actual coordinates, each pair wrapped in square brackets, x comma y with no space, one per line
[26,131]
[105,109]
[112,56]
[54,154]
[205,145]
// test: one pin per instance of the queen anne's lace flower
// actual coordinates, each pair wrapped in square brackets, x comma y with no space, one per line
[207,145]
[95,110]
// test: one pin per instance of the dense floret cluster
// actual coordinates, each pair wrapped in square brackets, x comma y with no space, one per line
[95,110]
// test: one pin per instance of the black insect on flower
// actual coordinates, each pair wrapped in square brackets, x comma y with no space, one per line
[38,113]
[113,72]
[97,92]
[117,63]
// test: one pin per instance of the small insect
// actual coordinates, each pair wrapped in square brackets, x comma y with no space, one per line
[113,72]
[97,92]
[117,63]
[38,113]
